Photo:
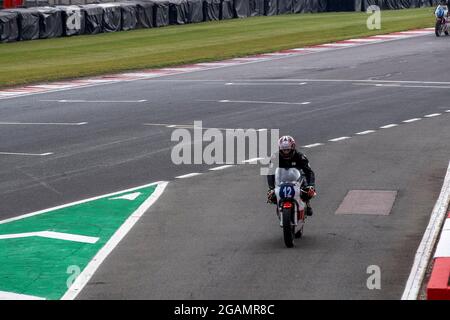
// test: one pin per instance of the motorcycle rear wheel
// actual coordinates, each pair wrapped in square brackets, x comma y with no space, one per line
[438,29]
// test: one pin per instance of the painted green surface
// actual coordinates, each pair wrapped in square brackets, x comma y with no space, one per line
[39,266]
[63,58]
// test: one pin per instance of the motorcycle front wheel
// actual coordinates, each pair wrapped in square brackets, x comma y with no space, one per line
[288,228]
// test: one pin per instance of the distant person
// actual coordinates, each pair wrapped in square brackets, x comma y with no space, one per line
[442,9]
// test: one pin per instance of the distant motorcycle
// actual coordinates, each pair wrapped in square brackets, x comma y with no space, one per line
[290,207]
[441,26]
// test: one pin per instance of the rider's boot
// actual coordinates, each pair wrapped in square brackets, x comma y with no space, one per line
[308,210]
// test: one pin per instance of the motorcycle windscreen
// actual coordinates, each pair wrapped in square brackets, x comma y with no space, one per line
[291,175]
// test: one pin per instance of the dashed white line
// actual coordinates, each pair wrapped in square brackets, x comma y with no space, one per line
[339,139]
[258,102]
[96,101]
[221,167]
[313,145]
[412,120]
[263,84]
[392,125]
[365,132]
[432,115]
[252,160]
[193,174]
[448,111]
[45,123]
[26,154]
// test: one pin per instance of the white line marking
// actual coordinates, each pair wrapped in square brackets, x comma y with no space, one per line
[389,126]
[372,81]
[45,123]
[181,69]
[313,145]
[339,44]
[263,84]
[365,132]
[339,139]
[77,202]
[393,36]
[364,40]
[52,235]
[432,115]
[412,120]
[400,86]
[216,64]
[429,238]
[252,160]
[221,167]
[96,101]
[93,265]
[258,102]
[184,176]
[448,111]
[4,295]
[26,154]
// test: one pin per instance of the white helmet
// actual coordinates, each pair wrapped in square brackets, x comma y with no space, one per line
[286,145]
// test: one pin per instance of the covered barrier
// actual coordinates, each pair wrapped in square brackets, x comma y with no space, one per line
[256,8]
[178,12]
[73,19]
[94,18]
[144,14]
[227,10]
[50,22]
[129,15]
[242,8]
[9,26]
[195,11]
[28,23]
[161,13]
[211,9]
[112,17]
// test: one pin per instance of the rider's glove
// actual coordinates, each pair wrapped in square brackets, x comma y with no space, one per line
[271,198]
[311,191]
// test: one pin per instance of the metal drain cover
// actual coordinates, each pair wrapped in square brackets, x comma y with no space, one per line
[373,202]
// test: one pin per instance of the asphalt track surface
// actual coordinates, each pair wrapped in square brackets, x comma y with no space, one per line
[213,236]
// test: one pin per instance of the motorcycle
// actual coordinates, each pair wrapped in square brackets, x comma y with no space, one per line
[441,22]
[290,207]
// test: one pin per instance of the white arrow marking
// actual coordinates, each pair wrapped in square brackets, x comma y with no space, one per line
[4,295]
[51,235]
[130,196]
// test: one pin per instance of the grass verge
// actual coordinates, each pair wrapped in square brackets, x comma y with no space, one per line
[72,57]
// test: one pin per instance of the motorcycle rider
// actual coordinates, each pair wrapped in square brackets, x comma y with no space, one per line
[442,9]
[289,157]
